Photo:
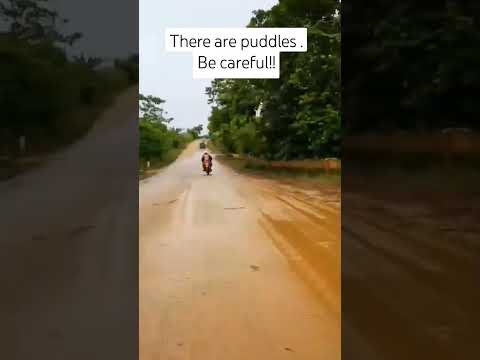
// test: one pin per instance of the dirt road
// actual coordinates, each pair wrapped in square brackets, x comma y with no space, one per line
[236,267]
[68,248]
[410,263]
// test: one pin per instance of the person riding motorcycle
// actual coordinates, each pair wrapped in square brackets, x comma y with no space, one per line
[206,157]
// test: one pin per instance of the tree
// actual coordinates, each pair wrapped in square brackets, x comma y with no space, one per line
[41,87]
[196,131]
[31,20]
[411,65]
[151,110]
[158,141]
[301,110]
[90,62]
[130,65]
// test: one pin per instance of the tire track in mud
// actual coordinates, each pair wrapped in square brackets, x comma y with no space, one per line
[404,309]
[219,278]
[306,232]
[422,260]
[319,275]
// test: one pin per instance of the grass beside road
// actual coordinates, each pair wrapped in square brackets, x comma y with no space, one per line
[157,164]
[306,175]
[169,157]
[46,145]
[10,168]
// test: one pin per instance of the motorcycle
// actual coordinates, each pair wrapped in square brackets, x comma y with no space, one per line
[207,166]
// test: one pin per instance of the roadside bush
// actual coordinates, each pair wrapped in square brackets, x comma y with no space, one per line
[159,143]
[299,113]
[42,90]
[247,140]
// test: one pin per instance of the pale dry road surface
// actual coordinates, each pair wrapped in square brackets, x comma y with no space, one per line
[236,267]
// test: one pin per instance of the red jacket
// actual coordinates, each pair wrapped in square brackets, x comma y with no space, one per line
[209,158]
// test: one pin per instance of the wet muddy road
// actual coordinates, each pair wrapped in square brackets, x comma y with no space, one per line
[410,266]
[235,267]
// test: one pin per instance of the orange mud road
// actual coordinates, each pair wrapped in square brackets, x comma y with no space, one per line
[236,267]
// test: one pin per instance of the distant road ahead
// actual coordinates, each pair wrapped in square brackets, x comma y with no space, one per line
[234,267]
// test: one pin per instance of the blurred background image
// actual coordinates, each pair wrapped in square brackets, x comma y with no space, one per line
[340,217]
[68,179]
[54,84]
[410,179]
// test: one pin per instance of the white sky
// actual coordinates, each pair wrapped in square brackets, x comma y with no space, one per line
[169,75]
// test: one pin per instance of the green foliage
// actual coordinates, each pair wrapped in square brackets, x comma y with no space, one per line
[130,66]
[41,88]
[155,140]
[196,131]
[301,110]
[413,67]
[151,109]
[44,95]
[33,21]
[158,141]
[246,140]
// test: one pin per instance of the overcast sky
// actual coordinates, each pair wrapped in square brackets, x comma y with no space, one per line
[169,75]
[108,30]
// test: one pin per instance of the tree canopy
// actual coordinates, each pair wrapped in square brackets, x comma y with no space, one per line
[411,65]
[300,112]
[45,95]
[32,20]
[158,141]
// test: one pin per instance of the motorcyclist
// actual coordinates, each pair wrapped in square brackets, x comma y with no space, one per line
[206,156]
